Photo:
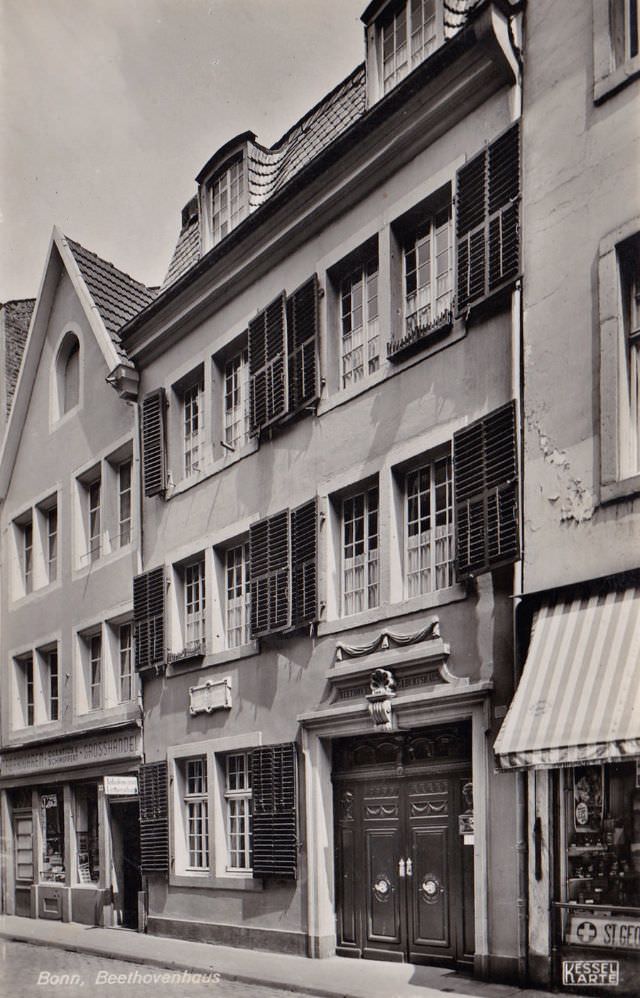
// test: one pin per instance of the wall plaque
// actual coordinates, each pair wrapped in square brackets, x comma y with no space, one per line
[214,694]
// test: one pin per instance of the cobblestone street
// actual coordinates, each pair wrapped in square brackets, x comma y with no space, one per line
[27,971]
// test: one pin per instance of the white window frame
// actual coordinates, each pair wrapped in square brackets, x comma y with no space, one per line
[416,47]
[95,688]
[192,426]
[237,595]
[228,200]
[26,541]
[195,804]
[236,411]
[357,598]
[425,570]
[50,655]
[612,73]
[25,675]
[125,502]
[238,798]
[359,322]
[431,299]
[52,542]
[194,603]
[125,662]
[94,517]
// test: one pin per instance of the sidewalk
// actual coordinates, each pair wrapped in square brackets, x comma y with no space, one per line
[334,977]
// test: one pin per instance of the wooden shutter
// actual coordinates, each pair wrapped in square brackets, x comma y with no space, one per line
[485,460]
[148,618]
[268,365]
[270,575]
[302,346]
[274,790]
[154,818]
[488,219]
[153,443]
[304,563]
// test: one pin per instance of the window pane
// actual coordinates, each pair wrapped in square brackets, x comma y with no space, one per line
[360,554]
[429,550]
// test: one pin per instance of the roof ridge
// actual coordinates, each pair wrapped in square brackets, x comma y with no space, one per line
[74,243]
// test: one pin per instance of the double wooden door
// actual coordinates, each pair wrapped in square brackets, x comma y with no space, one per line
[404,870]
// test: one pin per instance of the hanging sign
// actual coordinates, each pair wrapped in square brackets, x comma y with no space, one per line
[588,798]
[48,800]
[121,786]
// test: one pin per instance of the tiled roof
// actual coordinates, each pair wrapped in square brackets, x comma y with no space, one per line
[17,317]
[270,169]
[117,296]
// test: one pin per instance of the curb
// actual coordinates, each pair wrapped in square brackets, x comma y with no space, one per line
[173,965]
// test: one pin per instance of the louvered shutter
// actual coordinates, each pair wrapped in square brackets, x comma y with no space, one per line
[148,618]
[485,460]
[275,824]
[153,443]
[304,563]
[488,219]
[302,345]
[268,365]
[269,549]
[154,818]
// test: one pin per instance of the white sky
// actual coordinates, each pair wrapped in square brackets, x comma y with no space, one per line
[109,108]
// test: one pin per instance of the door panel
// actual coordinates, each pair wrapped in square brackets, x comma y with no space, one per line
[429,902]
[23,853]
[384,901]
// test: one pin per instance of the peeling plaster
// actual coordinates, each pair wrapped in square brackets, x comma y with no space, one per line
[577,502]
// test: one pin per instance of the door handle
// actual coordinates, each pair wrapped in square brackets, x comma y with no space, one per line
[409,867]
[401,868]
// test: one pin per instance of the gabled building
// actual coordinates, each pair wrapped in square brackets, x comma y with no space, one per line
[573,730]
[329,402]
[71,717]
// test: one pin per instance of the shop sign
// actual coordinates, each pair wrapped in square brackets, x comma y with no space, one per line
[121,786]
[76,752]
[590,973]
[48,800]
[465,824]
[621,933]
[588,798]
[209,696]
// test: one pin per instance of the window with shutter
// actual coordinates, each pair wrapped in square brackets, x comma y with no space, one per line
[304,563]
[274,788]
[268,365]
[270,584]
[283,553]
[154,818]
[488,220]
[153,443]
[148,618]
[485,460]
[302,348]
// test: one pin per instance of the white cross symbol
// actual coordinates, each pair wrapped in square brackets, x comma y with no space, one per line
[586,932]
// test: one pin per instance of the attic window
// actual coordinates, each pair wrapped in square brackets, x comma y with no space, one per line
[67,374]
[228,200]
[408,33]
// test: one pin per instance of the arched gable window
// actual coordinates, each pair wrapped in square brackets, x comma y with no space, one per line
[68,373]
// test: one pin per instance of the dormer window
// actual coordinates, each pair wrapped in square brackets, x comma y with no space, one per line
[408,33]
[228,200]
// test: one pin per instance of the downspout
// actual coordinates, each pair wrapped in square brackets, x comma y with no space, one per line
[517,389]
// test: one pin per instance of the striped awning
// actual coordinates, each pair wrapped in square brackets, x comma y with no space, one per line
[579,696]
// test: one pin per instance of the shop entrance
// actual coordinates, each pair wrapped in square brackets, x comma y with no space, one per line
[23,852]
[125,837]
[404,847]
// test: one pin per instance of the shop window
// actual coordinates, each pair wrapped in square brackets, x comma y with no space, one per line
[52,819]
[238,595]
[600,853]
[236,401]
[87,839]
[429,533]
[124,503]
[238,804]
[125,658]
[360,563]
[196,813]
